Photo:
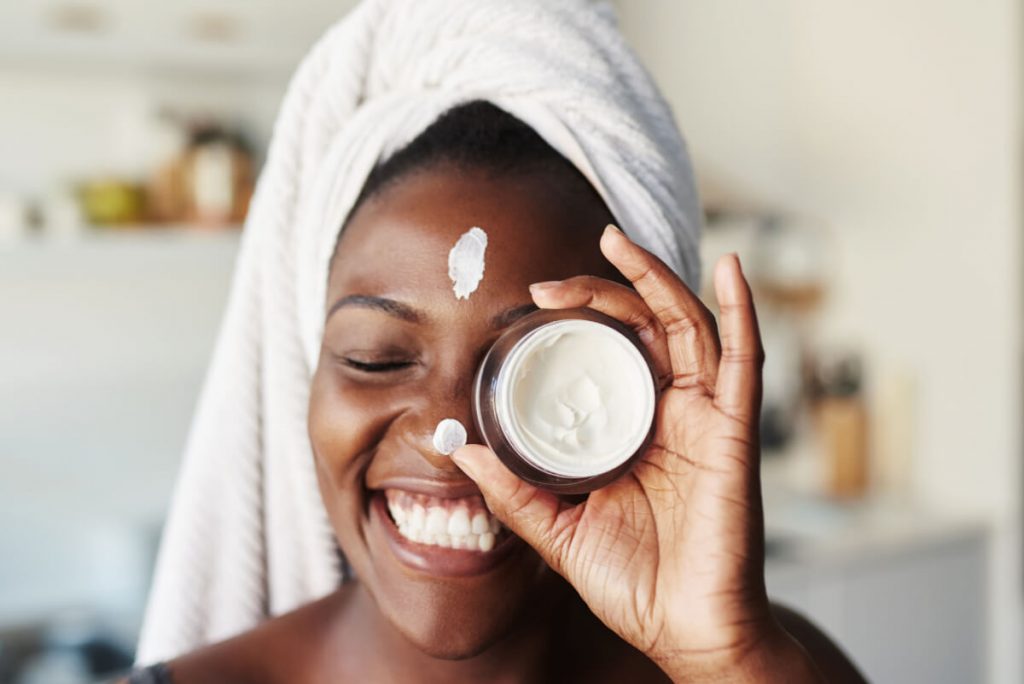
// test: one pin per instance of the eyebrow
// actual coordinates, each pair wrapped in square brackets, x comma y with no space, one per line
[510,316]
[388,306]
[407,313]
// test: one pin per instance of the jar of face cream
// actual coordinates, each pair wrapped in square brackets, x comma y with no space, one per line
[566,399]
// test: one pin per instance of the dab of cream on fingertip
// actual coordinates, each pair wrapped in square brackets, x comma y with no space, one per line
[466,262]
[449,435]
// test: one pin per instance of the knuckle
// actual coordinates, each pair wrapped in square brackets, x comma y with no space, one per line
[753,357]
[647,326]
[733,308]
[517,499]
[586,282]
[655,273]
[689,380]
[679,323]
[648,274]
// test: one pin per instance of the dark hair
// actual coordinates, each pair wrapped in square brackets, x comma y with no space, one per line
[478,136]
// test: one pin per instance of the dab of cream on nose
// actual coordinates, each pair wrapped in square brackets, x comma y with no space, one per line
[466,262]
[449,436]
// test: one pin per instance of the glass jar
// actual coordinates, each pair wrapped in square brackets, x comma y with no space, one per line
[566,399]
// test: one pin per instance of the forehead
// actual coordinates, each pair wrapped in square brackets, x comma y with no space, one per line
[398,241]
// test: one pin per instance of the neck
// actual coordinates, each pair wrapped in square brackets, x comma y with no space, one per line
[523,654]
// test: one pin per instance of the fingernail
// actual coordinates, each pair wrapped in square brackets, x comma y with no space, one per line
[612,228]
[545,286]
[736,259]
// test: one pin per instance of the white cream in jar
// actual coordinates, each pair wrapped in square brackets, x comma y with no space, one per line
[567,399]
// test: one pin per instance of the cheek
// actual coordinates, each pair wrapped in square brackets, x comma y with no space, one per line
[344,423]
[344,428]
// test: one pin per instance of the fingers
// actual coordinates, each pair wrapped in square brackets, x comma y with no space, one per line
[540,518]
[738,390]
[689,327]
[614,299]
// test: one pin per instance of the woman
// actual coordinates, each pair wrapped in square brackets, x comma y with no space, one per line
[657,576]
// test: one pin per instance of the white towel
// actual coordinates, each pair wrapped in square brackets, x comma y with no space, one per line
[247,535]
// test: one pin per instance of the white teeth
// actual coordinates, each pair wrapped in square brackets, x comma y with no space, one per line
[417,517]
[437,521]
[450,525]
[458,523]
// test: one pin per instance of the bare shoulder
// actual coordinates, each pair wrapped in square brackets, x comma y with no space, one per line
[629,666]
[835,665]
[586,651]
[281,649]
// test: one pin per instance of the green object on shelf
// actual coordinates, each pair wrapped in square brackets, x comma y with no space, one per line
[112,202]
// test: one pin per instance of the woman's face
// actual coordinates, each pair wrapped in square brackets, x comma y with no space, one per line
[399,354]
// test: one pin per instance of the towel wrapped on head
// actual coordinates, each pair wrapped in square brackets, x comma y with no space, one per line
[247,536]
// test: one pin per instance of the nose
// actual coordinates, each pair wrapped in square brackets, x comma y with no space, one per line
[450,397]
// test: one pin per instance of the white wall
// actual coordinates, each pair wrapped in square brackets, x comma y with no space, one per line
[898,125]
[106,341]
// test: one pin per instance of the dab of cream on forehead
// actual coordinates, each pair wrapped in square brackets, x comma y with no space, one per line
[466,262]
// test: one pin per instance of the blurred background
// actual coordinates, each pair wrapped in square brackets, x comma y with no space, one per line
[863,158]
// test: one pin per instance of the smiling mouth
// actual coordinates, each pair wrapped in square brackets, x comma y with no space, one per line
[440,529]
[462,523]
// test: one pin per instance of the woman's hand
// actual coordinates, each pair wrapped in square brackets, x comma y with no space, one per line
[670,556]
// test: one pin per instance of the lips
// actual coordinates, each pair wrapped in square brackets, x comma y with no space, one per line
[440,535]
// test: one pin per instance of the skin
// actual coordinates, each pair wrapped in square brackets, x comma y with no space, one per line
[391,416]
[658,576]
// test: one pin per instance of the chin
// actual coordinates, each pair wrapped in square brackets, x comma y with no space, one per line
[449,602]
[450,625]
[449,648]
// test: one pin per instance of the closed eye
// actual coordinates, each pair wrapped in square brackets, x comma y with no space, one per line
[385,367]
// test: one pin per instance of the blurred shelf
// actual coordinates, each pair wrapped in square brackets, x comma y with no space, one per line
[205,38]
[142,236]
[158,228]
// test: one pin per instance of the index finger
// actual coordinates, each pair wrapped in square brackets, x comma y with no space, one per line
[618,301]
[689,327]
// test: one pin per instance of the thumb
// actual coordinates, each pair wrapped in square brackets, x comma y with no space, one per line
[540,518]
